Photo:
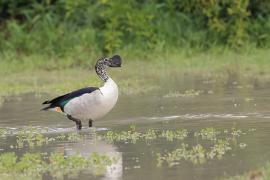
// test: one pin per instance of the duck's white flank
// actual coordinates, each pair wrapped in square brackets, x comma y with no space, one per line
[94,105]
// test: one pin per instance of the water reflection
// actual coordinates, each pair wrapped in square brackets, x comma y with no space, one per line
[89,146]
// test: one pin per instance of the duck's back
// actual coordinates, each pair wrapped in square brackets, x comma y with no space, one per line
[94,105]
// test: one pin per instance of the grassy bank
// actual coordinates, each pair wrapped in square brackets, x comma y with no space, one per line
[139,74]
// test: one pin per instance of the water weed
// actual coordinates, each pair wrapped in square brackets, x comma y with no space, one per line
[31,137]
[196,154]
[199,147]
[171,135]
[149,135]
[219,149]
[221,144]
[208,134]
[34,165]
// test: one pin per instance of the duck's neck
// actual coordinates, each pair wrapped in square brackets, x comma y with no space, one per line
[101,72]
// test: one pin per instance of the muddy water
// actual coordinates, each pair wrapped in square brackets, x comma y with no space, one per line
[242,107]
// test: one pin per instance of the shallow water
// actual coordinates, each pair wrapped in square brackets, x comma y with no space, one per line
[240,107]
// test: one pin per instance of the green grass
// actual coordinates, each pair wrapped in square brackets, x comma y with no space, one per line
[139,74]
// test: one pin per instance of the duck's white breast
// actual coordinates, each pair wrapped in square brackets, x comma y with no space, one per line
[94,105]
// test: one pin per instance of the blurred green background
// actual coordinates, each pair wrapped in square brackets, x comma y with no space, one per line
[92,27]
[53,41]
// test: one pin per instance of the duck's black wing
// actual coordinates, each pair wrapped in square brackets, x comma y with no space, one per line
[61,101]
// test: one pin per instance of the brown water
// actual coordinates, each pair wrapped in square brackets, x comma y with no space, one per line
[222,108]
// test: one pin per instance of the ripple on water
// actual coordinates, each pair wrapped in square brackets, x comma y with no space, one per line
[199,116]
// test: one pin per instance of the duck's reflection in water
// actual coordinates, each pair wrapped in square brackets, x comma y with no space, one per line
[89,146]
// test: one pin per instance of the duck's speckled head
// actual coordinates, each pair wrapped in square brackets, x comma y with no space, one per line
[115,61]
[103,63]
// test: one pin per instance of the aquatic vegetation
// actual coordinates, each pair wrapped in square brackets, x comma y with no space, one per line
[31,137]
[73,137]
[150,134]
[125,136]
[4,133]
[197,154]
[208,134]
[219,149]
[199,147]
[171,135]
[173,158]
[34,165]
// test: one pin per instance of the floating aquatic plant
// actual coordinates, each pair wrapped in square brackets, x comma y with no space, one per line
[30,137]
[170,135]
[173,158]
[208,134]
[34,165]
[196,154]
[125,136]
[199,153]
[219,149]
[150,134]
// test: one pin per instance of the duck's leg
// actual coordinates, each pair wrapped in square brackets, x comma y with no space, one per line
[77,121]
[90,123]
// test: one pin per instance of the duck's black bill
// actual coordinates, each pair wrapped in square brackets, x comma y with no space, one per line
[116,61]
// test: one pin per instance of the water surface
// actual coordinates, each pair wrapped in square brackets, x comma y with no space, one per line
[240,107]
